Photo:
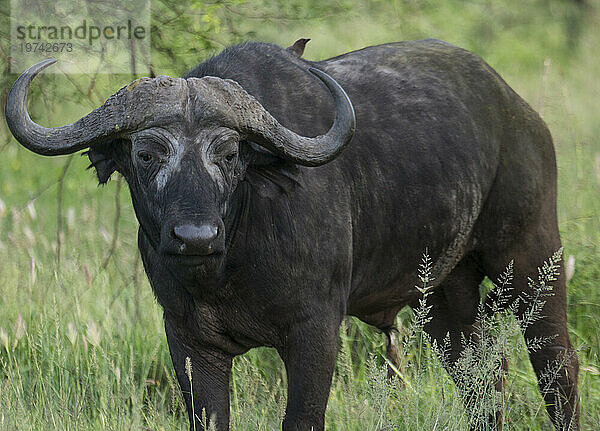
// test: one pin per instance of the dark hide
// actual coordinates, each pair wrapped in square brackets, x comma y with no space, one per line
[445,157]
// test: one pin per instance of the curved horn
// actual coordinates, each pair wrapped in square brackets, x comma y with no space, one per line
[244,113]
[128,109]
[41,140]
[320,149]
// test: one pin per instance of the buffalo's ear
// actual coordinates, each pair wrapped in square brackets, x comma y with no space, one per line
[261,157]
[102,160]
[270,174]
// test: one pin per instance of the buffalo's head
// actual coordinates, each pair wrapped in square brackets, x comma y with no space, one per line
[183,145]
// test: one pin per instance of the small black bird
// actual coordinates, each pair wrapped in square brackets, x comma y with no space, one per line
[298,47]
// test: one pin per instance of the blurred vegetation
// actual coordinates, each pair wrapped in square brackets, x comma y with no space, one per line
[81,338]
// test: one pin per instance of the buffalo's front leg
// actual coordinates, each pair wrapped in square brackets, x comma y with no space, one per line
[309,355]
[209,386]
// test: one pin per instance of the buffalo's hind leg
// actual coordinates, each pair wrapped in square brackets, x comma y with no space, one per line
[391,351]
[454,319]
[385,321]
[550,351]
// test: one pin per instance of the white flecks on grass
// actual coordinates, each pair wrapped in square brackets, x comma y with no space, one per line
[19,330]
[4,339]
[29,235]
[71,333]
[2,208]
[104,234]
[93,333]
[70,218]
[188,372]
[570,268]
[32,273]
[31,211]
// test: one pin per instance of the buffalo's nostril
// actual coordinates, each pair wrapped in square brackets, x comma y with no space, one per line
[196,239]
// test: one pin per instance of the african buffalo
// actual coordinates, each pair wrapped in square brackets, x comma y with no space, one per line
[253,234]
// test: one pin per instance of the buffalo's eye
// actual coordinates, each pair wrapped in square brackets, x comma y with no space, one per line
[229,158]
[145,157]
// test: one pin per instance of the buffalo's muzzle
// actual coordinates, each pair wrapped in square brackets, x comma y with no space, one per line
[198,240]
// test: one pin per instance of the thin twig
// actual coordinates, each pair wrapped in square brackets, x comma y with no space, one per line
[136,285]
[543,83]
[59,210]
[37,194]
[4,146]
[92,85]
[132,57]
[279,17]
[115,236]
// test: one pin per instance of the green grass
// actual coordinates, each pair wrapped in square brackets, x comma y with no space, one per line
[82,346]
